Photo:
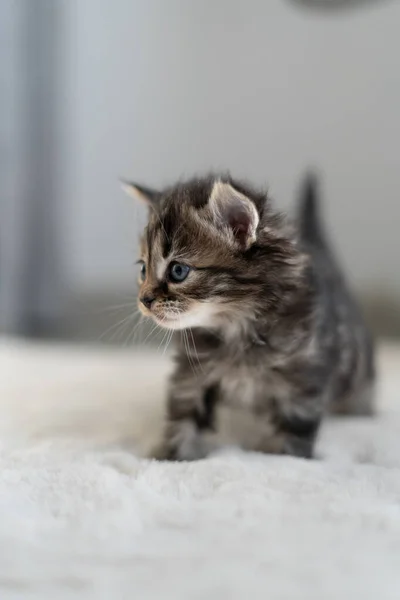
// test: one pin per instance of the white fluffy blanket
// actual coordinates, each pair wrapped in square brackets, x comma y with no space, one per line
[81,516]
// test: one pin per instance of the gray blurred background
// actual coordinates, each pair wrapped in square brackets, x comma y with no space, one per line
[92,90]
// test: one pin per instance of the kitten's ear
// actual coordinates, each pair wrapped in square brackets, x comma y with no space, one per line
[231,208]
[139,192]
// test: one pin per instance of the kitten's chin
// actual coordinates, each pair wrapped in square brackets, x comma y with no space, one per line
[170,323]
[199,316]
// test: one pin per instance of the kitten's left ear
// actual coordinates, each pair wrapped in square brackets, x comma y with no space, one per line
[140,192]
[233,209]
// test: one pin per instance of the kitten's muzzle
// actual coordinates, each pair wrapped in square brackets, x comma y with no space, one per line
[147,300]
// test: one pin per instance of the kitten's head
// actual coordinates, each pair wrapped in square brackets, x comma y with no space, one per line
[211,254]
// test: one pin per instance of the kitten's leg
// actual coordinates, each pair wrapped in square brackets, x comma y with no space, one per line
[293,427]
[359,403]
[189,433]
[299,433]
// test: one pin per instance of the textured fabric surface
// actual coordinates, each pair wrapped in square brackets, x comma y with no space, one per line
[82,516]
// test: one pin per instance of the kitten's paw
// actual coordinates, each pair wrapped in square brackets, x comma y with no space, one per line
[170,452]
[183,441]
[163,452]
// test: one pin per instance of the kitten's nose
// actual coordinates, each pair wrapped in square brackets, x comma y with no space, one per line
[147,301]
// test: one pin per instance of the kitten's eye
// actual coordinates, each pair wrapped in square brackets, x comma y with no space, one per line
[178,272]
[143,272]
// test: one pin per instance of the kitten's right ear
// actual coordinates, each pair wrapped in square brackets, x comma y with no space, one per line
[233,210]
[140,192]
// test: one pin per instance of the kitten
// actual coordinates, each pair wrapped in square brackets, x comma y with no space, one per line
[271,337]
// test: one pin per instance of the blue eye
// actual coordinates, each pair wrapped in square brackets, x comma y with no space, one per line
[143,272]
[178,272]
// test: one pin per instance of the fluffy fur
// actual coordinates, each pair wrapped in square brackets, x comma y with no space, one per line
[271,336]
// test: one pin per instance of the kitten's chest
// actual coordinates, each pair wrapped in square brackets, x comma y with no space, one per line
[245,380]
[240,388]
[247,386]
[242,413]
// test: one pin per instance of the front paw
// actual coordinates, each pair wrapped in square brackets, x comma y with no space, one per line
[171,452]
[183,441]
[163,452]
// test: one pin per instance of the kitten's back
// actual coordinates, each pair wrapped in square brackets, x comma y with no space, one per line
[356,370]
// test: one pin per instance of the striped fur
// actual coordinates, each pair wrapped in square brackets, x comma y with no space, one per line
[271,336]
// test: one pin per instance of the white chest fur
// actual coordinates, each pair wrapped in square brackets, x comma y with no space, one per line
[239,390]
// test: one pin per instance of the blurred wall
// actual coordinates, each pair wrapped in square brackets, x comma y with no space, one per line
[156,90]
[31,148]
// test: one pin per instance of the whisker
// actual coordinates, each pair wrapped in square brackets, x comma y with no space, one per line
[168,341]
[186,343]
[190,354]
[131,336]
[121,329]
[118,307]
[114,326]
[156,326]
[165,336]
[195,349]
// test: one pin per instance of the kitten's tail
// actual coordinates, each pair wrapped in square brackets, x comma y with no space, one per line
[310,223]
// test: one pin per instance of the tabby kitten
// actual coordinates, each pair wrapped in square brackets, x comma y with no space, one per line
[271,337]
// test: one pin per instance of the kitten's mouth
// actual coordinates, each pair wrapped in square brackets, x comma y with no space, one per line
[169,321]
[166,319]
[197,315]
